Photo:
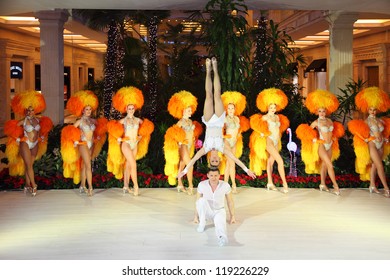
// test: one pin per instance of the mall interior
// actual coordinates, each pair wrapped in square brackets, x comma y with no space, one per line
[43,47]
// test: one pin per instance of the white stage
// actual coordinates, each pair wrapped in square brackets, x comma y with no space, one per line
[304,224]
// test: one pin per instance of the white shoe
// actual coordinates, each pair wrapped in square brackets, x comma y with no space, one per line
[200,228]
[222,241]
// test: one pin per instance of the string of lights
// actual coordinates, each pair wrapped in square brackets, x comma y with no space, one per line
[260,56]
[152,67]
[119,68]
[109,70]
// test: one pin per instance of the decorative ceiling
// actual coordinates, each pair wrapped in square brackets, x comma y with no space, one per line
[11,7]
[18,15]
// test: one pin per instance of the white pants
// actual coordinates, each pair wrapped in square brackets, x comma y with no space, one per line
[218,216]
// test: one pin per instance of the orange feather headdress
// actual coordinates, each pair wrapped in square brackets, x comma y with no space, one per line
[81,99]
[24,100]
[126,96]
[180,101]
[271,96]
[236,98]
[372,97]
[321,99]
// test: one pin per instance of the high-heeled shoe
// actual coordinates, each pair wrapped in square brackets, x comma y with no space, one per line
[271,187]
[90,192]
[181,189]
[136,191]
[336,192]
[285,189]
[126,189]
[34,191]
[83,189]
[234,189]
[373,189]
[323,188]
[190,191]
[386,193]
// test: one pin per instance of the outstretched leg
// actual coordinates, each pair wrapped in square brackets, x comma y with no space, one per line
[325,157]
[131,166]
[376,157]
[28,160]
[208,109]
[372,175]
[230,168]
[373,172]
[185,159]
[86,168]
[323,173]
[274,154]
[218,104]
[270,164]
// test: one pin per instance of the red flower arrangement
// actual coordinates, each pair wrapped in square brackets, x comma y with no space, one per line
[160,181]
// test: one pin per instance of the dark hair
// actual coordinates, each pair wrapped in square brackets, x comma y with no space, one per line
[213,168]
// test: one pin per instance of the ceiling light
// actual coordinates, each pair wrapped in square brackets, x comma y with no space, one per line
[315,38]
[372,23]
[19,20]
[31,29]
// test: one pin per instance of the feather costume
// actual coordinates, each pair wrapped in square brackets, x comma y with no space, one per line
[258,139]
[175,135]
[15,132]
[71,135]
[309,151]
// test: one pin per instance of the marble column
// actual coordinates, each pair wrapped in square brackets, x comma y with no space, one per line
[52,61]
[382,62]
[29,68]
[340,49]
[5,81]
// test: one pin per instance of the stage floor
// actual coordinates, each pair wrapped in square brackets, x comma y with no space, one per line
[304,224]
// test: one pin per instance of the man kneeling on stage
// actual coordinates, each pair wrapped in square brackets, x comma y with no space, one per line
[210,204]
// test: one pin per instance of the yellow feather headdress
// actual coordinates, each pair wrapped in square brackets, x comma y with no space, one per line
[271,96]
[236,98]
[81,99]
[30,98]
[126,96]
[180,101]
[321,99]
[372,97]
